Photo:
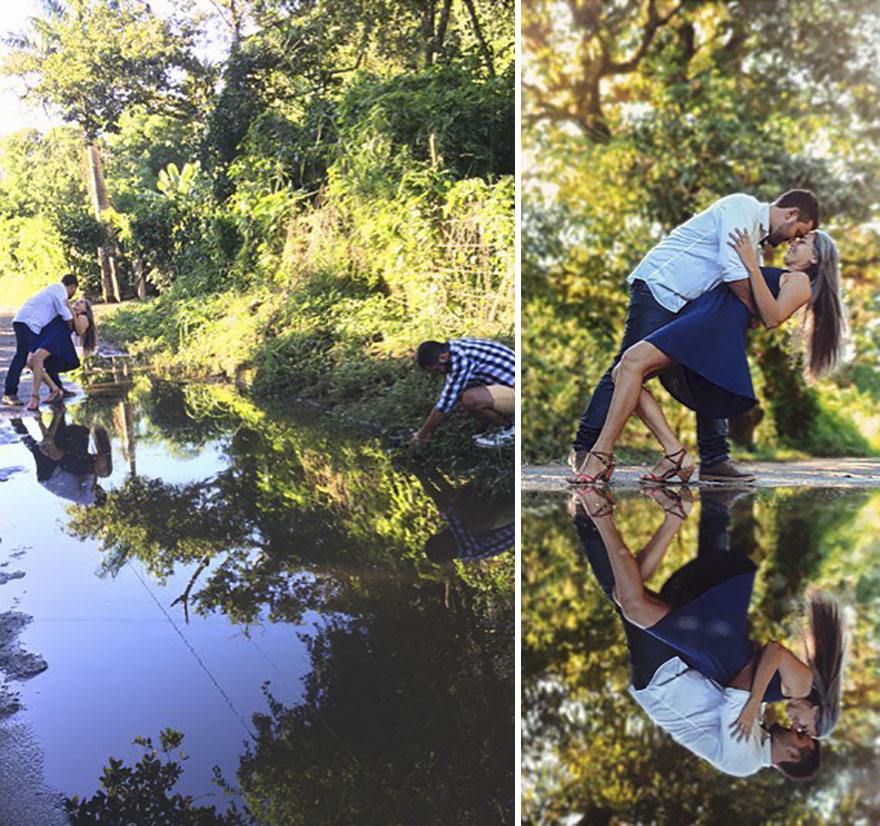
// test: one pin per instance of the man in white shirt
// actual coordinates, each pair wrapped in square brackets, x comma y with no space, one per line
[28,322]
[699,714]
[693,259]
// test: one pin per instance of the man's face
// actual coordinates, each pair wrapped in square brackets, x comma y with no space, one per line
[70,290]
[790,226]
[441,367]
[793,743]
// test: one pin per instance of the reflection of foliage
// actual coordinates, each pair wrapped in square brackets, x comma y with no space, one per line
[588,750]
[141,794]
[293,498]
[394,728]
[408,711]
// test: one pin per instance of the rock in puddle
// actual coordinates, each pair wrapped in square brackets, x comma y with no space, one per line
[6,472]
[16,664]
[4,577]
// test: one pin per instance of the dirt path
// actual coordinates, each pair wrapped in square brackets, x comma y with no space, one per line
[838,473]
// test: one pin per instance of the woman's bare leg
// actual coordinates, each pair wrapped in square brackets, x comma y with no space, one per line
[638,362]
[638,606]
[650,412]
[36,362]
[649,558]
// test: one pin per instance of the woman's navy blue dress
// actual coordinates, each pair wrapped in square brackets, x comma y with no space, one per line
[57,339]
[707,340]
[710,630]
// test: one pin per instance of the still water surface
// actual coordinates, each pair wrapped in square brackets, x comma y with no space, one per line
[259,581]
[592,756]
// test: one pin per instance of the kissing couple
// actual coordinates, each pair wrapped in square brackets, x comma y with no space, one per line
[44,329]
[691,302]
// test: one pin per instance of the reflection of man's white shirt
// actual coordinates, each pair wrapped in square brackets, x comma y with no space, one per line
[67,485]
[695,257]
[697,713]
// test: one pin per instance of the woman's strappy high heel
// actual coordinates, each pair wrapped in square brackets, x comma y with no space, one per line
[683,473]
[602,477]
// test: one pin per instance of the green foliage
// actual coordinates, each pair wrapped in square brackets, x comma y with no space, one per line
[443,115]
[335,202]
[92,60]
[47,229]
[407,710]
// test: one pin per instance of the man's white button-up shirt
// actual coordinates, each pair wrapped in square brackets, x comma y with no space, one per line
[695,257]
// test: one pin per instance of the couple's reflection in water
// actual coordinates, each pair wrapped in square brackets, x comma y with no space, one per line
[693,668]
[67,465]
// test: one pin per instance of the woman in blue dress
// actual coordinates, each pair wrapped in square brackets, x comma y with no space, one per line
[701,355]
[54,347]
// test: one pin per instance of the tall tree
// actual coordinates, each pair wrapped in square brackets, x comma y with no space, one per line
[91,60]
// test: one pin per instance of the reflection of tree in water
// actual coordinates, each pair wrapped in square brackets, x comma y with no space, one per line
[143,793]
[412,727]
[604,760]
[408,710]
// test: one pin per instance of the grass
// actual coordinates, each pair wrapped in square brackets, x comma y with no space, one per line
[347,351]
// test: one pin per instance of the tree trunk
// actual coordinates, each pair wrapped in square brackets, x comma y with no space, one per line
[140,280]
[428,33]
[100,202]
[478,31]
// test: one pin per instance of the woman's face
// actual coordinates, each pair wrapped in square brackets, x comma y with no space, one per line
[802,715]
[801,253]
[80,305]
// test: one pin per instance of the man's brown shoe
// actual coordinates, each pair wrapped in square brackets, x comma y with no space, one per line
[12,401]
[725,472]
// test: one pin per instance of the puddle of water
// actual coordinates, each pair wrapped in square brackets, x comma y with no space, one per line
[591,754]
[259,582]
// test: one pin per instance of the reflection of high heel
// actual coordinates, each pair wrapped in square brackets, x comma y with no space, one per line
[677,506]
[605,505]
[683,473]
[602,477]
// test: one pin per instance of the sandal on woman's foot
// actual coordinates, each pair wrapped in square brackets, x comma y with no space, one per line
[602,477]
[55,396]
[678,469]
[34,403]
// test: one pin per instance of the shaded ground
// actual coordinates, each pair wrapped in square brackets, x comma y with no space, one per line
[855,473]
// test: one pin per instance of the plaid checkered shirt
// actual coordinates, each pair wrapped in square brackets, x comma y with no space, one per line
[474,361]
[470,545]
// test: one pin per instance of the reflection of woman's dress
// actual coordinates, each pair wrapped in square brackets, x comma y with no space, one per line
[710,629]
[57,339]
[707,340]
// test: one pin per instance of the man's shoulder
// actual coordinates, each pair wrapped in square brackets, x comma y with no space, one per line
[739,201]
[477,344]
[53,289]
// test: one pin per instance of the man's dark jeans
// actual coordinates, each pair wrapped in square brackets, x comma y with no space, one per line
[644,315]
[25,338]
